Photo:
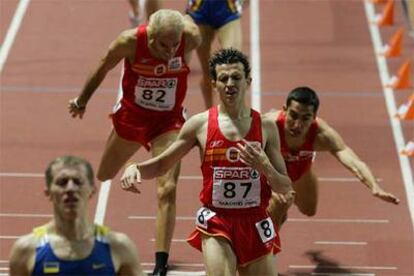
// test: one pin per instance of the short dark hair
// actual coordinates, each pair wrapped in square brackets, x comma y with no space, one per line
[228,56]
[303,95]
[69,161]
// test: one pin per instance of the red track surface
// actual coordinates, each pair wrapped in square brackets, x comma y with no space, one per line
[322,44]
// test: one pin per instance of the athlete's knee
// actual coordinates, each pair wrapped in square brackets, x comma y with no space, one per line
[308,211]
[104,175]
[166,191]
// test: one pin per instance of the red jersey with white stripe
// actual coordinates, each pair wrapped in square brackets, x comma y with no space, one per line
[298,161]
[229,184]
[152,85]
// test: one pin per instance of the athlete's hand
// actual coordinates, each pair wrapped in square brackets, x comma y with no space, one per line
[130,178]
[76,109]
[252,155]
[286,198]
[380,193]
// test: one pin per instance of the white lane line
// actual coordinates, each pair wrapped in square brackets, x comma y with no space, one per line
[22,175]
[183,218]
[344,274]
[173,240]
[397,132]
[102,202]
[12,31]
[364,221]
[182,177]
[179,264]
[9,237]
[153,217]
[340,243]
[179,273]
[343,267]
[99,218]
[22,215]
[255,54]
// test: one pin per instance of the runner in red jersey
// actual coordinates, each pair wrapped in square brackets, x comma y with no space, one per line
[149,111]
[234,195]
[301,135]
[241,165]
[299,160]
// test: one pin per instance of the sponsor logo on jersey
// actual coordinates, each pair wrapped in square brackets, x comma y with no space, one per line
[156,83]
[160,69]
[98,266]
[175,63]
[232,154]
[50,267]
[232,173]
[216,143]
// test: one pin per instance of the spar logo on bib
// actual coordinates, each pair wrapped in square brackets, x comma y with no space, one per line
[231,173]
[232,154]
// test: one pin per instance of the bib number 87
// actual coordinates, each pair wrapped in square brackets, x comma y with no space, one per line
[230,189]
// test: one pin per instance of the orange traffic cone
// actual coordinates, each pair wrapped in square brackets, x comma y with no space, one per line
[403,78]
[386,18]
[408,150]
[394,47]
[406,110]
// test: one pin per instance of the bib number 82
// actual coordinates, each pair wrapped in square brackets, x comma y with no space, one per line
[151,95]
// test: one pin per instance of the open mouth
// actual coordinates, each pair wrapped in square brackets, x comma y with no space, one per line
[230,92]
[70,201]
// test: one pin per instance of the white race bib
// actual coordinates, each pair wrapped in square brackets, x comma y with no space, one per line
[203,215]
[236,187]
[156,93]
[266,230]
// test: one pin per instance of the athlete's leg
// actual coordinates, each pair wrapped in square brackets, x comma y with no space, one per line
[277,210]
[203,52]
[166,194]
[306,197]
[134,7]
[230,35]
[117,152]
[219,257]
[152,6]
[265,266]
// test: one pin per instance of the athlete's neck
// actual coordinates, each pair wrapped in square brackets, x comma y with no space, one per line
[74,229]
[234,114]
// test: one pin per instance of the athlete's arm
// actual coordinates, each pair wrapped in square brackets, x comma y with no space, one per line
[125,254]
[122,47]
[330,140]
[22,256]
[192,37]
[159,165]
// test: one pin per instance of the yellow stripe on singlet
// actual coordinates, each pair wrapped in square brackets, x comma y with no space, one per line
[232,5]
[196,5]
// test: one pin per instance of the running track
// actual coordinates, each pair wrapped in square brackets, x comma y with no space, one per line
[323,44]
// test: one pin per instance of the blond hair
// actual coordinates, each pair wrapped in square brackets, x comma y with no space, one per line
[165,19]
